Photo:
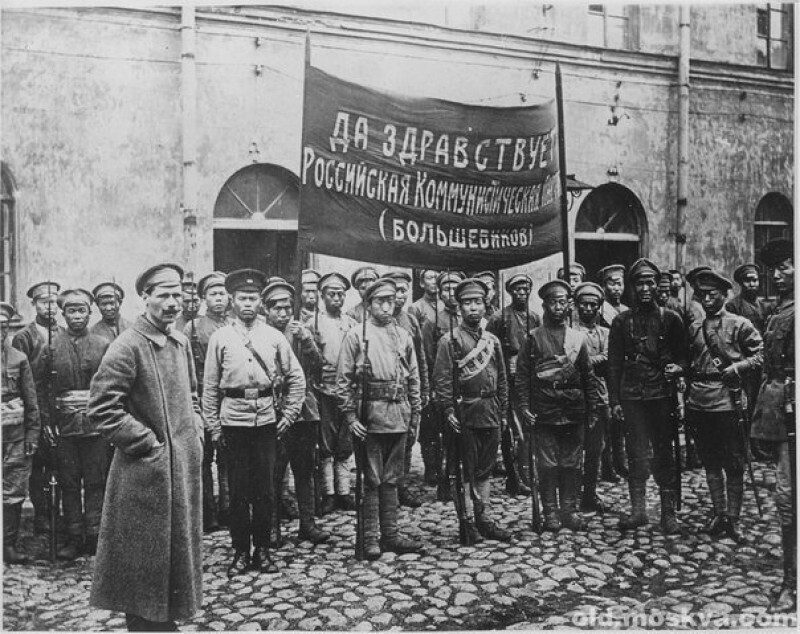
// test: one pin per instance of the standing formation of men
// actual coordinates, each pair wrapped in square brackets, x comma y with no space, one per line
[285,377]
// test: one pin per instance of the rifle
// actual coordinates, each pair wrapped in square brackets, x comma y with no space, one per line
[197,351]
[52,483]
[677,415]
[277,401]
[536,511]
[743,425]
[318,478]
[790,422]
[506,345]
[456,476]
[360,450]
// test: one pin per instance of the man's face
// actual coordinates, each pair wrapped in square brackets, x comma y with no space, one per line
[663,293]
[614,287]
[472,310]
[520,293]
[783,276]
[575,279]
[364,282]
[77,316]
[46,307]
[308,296]
[710,298]
[108,305]
[555,305]
[676,284]
[163,303]
[402,294]
[382,308]
[448,294]
[216,300]
[428,282]
[246,305]
[587,308]
[279,313]
[645,288]
[191,303]
[750,283]
[492,291]
[333,296]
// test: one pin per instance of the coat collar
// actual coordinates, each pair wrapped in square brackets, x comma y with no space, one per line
[147,329]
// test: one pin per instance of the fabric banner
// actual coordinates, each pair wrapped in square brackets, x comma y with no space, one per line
[425,182]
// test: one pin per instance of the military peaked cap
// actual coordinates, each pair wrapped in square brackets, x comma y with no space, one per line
[519,278]
[362,273]
[398,276]
[643,268]
[207,282]
[449,276]
[108,288]
[741,271]
[776,251]
[333,279]
[471,288]
[166,273]
[249,280]
[574,267]
[553,286]
[712,279]
[589,288]
[277,289]
[7,311]
[74,296]
[608,271]
[379,288]
[41,289]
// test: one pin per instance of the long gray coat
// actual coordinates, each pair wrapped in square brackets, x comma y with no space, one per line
[148,558]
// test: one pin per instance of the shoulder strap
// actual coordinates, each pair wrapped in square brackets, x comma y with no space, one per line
[249,345]
[721,359]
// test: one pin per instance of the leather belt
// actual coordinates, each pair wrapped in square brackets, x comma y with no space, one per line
[385,391]
[250,393]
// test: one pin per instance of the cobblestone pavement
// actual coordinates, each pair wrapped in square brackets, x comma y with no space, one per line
[638,579]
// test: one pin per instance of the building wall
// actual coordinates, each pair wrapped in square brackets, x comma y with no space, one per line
[92,120]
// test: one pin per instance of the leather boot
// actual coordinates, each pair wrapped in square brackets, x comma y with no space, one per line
[12,514]
[547,492]
[638,515]
[618,450]
[735,486]
[407,498]
[261,561]
[391,540]
[568,480]
[786,600]
[328,505]
[70,548]
[716,488]
[346,502]
[669,522]
[443,493]
[240,563]
[692,459]
[371,532]
[429,456]
[311,532]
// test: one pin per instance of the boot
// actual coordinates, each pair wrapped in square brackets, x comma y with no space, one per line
[618,450]
[261,561]
[346,502]
[716,488]
[786,600]
[407,498]
[312,533]
[590,501]
[514,484]
[70,548]
[288,507]
[486,527]
[428,460]
[547,492]
[372,550]
[443,493]
[735,494]
[12,514]
[391,540]
[692,459]
[240,564]
[638,516]
[669,523]
[568,480]
[607,472]
[328,505]
[473,534]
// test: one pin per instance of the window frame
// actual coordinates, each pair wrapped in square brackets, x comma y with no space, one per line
[769,37]
[9,237]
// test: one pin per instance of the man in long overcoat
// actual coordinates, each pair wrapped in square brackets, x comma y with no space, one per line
[143,400]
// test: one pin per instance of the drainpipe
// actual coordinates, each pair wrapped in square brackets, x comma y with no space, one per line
[189,137]
[683,132]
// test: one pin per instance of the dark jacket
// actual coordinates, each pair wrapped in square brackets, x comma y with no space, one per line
[18,392]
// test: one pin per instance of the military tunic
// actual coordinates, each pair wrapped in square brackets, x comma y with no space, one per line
[757,312]
[21,424]
[608,311]
[424,309]
[107,331]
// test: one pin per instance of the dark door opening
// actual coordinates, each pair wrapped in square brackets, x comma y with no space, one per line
[274,252]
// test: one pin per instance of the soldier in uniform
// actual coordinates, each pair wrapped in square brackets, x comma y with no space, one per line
[646,349]
[557,395]
[426,307]
[245,361]
[309,295]
[361,280]
[676,284]
[336,445]
[725,349]
[34,341]
[747,303]
[488,278]
[577,274]
[211,289]
[393,406]
[614,460]
[108,296]
[81,452]
[432,427]
[511,326]
[21,428]
[191,305]
[693,311]
[298,443]
[482,393]
[409,323]
[774,420]
[588,299]
[663,289]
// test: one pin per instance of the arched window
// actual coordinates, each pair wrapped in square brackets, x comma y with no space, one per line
[774,218]
[611,228]
[255,221]
[8,237]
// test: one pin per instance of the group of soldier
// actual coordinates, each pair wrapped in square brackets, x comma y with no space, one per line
[286,377]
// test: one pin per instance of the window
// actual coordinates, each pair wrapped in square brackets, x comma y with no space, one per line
[8,238]
[773,36]
[608,26]
[774,218]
